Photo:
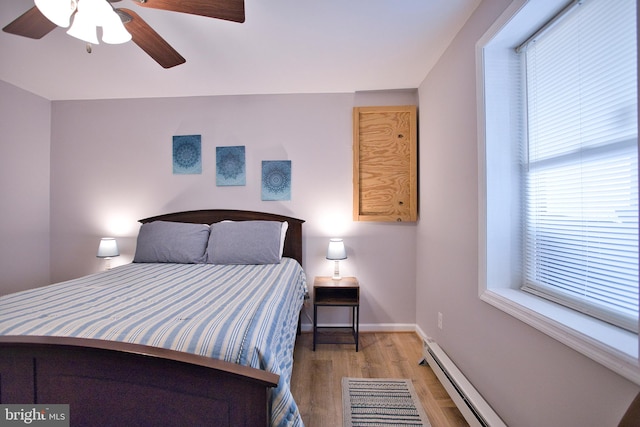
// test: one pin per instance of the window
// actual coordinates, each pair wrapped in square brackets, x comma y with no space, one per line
[580,167]
[559,173]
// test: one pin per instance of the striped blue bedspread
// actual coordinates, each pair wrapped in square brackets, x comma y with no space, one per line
[245,314]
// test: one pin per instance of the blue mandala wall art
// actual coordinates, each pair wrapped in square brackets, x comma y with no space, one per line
[230,166]
[187,154]
[276,180]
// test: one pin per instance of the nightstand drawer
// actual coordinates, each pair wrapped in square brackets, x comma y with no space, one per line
[336,296]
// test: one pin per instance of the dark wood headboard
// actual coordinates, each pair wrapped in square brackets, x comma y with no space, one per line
[293,239]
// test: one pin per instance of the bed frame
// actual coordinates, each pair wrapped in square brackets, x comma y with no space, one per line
[114,383]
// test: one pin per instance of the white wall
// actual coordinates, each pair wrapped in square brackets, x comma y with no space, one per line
[111,165]
[24,189]
[529,378]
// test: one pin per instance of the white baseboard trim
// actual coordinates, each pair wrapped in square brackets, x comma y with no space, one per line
[388,327]
[421,333]
[372,327]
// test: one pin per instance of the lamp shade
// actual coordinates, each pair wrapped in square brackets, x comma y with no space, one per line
[336,250]
[57,11]
[108,248]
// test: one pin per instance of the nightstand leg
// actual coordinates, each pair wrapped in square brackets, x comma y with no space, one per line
[357,313]
[315,325]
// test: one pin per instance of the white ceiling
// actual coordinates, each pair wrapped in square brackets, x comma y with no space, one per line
[285,46]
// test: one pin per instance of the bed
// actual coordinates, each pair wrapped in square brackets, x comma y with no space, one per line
[167,341]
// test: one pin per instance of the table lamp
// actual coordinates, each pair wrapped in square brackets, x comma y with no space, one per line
[336,252]
[108,249]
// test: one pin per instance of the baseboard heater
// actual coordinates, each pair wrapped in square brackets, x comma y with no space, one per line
[471,404]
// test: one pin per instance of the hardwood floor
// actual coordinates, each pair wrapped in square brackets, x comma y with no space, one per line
[316,378]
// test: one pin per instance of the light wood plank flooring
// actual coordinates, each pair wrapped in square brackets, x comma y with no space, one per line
[316,378]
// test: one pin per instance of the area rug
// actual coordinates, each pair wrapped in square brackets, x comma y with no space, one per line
[381,402]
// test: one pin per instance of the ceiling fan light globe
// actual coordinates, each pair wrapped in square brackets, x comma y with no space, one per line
[113,30]
[83,28]
[57,11]
[97,10]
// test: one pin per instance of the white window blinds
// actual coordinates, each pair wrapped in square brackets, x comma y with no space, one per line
[581,168]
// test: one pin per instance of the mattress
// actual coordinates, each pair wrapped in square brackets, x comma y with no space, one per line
[245,314]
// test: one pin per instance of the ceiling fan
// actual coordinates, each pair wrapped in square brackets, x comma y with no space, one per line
[35,25]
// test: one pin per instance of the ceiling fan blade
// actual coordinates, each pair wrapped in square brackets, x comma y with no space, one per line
[30,24]
[230,10]
[151,42]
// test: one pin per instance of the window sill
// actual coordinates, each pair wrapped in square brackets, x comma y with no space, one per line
[609,345]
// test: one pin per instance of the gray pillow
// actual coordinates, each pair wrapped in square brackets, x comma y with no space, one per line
[245,242]
[178,242]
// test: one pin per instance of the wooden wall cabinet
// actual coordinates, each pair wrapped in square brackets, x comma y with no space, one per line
[385,164]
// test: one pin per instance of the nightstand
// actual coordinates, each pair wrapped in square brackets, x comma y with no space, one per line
[344,292]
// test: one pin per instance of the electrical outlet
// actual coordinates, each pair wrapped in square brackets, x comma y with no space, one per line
[439,320]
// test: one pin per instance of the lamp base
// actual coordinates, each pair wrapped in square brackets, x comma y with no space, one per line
[336,271]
